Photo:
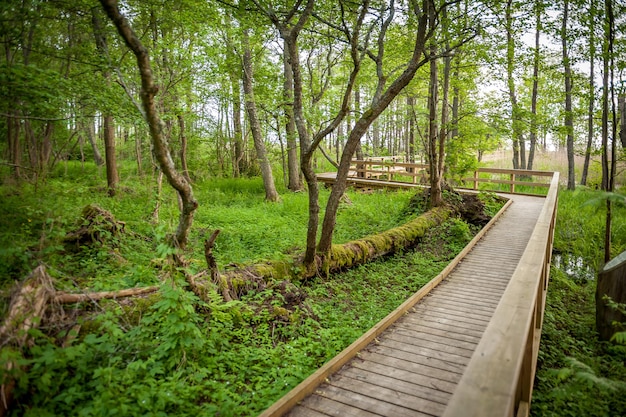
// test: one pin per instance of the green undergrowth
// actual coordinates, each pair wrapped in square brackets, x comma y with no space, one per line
[578,375]
[34,218]
[173,354]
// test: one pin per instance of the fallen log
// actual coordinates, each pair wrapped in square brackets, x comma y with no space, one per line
[27,307]
[235,283]
[68,298]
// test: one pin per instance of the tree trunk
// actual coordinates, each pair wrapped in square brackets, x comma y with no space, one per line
[233,284]
[622,112]
[533,102]
[605,104]
[510,65]
[364,122]
[160,146]
[91,137]
[436,197]
[569,116]
[410,104]
[183,147]
[591,91]
[255,127]
[294,183]
[138,153]
[109,155]
[239,163]
[109,128]
[15,152]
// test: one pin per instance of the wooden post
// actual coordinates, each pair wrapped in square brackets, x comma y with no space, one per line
[612,283]
[476,179]
[512,183]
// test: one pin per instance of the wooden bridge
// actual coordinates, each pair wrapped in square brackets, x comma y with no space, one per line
[465,344]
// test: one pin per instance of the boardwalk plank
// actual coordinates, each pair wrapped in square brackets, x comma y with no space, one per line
[387,358]
[365,403]
[425,317]
[385,394]
[411,353]
[433,384]
[433,396]
[331,407]
[452,333]
[451,350]
[444,340]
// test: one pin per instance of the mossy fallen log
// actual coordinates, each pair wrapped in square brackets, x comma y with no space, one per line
[235,283]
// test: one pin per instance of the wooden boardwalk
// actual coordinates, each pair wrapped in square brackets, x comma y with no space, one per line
[413,368]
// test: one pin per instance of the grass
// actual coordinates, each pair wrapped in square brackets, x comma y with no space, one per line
[170,353]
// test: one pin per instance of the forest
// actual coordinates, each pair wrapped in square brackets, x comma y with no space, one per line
[158,183]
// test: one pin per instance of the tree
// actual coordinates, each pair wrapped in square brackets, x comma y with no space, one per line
[569,116]
[294,183]
[519,147]
[539,10]
[156,125]
[255,127]
[591,89]
[109,127]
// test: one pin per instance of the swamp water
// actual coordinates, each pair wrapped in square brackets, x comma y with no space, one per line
[574,266]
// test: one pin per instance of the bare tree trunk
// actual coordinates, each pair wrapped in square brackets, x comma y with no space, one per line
[239,163]
[605,100]
[109,128]
[533,102]
[410,103]
[15,153]
[569,117]
[91,137]
[622,111]
[161,148]
[294,183]
[591,92]
[436,198]
[109,155]
[255,127]
[510,64]
[138,154]
[183,147]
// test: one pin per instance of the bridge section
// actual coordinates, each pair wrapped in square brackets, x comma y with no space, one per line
[466,343]
[413,368]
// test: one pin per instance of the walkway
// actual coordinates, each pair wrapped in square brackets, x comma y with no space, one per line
[413,368]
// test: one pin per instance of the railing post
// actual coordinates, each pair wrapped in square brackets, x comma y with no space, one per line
[475,179]
[512,183]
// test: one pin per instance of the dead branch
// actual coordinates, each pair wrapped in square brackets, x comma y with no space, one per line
[68,298]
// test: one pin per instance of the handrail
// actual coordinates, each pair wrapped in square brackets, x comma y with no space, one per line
[375,169]
[498,380]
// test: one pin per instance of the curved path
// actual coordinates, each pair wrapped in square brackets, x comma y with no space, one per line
[413,368]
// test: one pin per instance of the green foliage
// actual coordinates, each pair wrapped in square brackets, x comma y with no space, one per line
[577,374]
[169,353]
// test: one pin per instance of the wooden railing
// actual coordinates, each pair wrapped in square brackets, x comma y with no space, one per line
[511,179]
[384,169]
[499,378]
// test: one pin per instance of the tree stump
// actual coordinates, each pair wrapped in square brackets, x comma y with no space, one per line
[611,283]
[97,225]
